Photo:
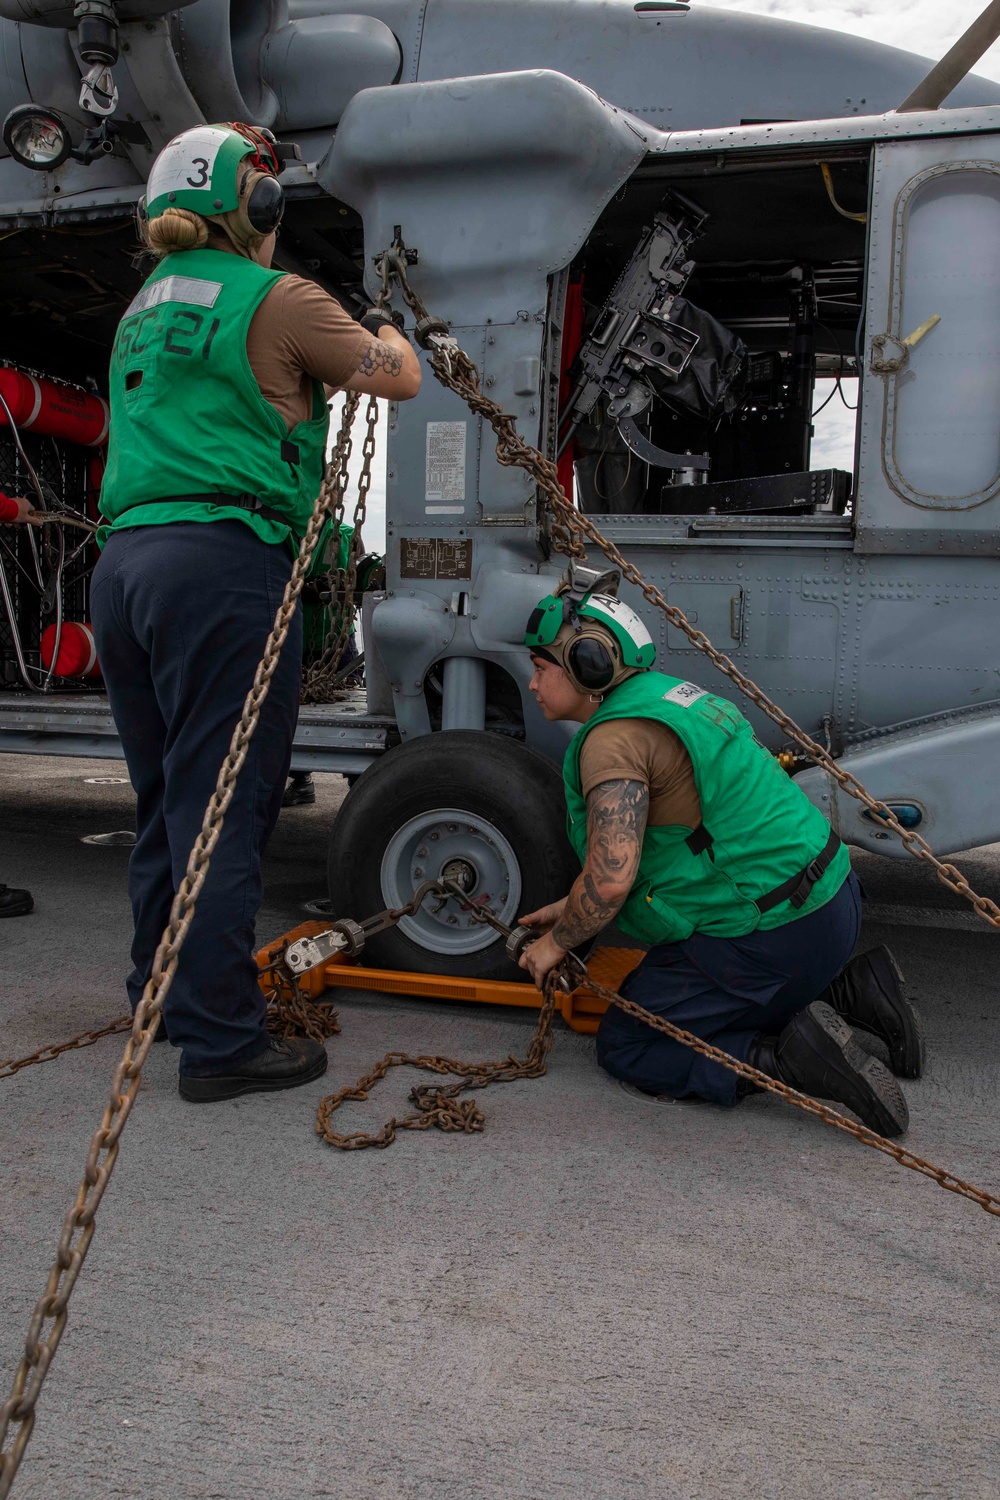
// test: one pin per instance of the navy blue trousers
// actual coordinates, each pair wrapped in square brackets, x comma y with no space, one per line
[726,991]
[180,616]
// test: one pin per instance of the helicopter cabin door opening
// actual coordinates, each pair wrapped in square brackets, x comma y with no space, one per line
[716,372]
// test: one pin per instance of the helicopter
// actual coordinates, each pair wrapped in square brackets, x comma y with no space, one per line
[655,230]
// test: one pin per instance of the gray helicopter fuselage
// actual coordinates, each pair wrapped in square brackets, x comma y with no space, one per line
[522,146]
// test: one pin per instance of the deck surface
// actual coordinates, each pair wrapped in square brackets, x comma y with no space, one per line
[597,1299]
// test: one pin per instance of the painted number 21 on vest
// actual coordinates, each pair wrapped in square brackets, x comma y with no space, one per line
[184,332]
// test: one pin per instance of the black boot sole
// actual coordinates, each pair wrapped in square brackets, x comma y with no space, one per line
[214,1090]
[824,1059]
[907,1054]
[17,908]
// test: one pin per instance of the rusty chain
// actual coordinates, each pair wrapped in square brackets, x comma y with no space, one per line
[435,1106]
[11,1065]
[823,1112]
[317,686]
[570,530]
[440,1107]
[290,1013]
[48,1321]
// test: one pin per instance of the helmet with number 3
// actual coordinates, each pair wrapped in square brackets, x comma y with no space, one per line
[200,170]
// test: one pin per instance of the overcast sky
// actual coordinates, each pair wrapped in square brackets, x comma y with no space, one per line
[925,26]
[928,27]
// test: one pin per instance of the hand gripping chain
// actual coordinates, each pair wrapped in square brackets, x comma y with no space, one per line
[435,1106]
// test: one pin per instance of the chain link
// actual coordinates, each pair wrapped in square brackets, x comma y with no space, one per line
[440,1107]
[12,1065]
[812,1106]
[570,531]
[318,685]
[48,1321]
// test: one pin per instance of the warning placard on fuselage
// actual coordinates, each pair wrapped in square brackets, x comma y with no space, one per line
[434,557]
[444,487]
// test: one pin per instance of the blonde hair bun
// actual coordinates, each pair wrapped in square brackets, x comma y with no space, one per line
[175,229]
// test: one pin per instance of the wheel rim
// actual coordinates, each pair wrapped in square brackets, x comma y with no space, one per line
[462,842]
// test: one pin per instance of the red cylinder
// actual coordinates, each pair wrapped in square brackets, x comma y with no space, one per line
[52,409]
[77,651]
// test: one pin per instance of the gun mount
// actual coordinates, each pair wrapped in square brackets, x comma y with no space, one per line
[649,341]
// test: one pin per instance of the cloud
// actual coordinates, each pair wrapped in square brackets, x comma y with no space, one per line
[923,26]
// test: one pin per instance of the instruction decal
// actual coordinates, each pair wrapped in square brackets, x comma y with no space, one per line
[445,470]
[434,557]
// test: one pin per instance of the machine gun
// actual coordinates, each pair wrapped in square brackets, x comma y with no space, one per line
[650,341]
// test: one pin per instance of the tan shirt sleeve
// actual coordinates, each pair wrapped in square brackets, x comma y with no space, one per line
[647,751]
[297,335]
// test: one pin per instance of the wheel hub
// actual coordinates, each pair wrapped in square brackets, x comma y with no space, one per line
[460,872]
[451,844]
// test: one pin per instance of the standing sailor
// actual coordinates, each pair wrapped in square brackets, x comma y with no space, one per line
[218,431]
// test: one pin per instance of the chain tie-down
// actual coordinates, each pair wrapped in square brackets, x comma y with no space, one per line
[48,1321]
[439,1106]
[568,532]
[323,678]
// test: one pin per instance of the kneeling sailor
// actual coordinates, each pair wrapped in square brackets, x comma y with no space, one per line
[699,845]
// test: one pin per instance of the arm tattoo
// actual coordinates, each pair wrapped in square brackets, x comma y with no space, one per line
[380,356]
[616,821]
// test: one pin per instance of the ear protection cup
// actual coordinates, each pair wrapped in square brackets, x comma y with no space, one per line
[265,205]
[590,662]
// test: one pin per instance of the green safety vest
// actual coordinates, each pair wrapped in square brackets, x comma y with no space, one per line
[758,829]
[187,415]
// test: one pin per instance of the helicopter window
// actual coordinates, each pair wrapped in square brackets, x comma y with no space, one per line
[717,371]
[949,385]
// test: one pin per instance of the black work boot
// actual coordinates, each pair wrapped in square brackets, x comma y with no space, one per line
[818,1054]
[282,1065]
[300,791]
[15,903]
[869,993]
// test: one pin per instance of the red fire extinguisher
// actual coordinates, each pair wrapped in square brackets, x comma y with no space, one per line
[77,651]
[51,408]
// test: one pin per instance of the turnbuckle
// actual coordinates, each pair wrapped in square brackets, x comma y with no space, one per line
[349,937]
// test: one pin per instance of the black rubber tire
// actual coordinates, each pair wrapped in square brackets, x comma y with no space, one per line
[518,790]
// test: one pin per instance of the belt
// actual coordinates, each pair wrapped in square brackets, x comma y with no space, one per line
[797,889]
[251,503]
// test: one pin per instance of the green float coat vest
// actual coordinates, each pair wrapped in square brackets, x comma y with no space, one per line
[764,829]
[187,415]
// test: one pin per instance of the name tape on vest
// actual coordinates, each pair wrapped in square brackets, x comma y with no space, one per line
[176,289]
[684,694]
